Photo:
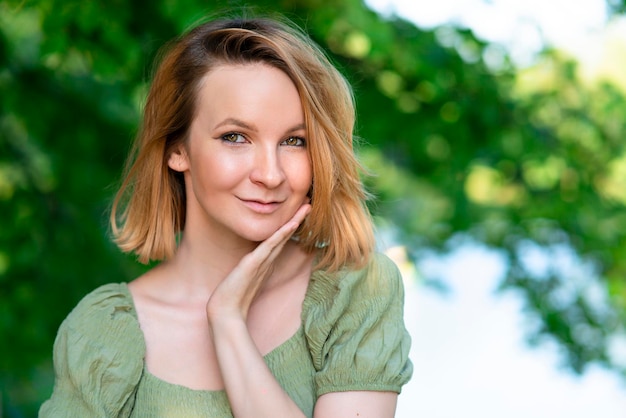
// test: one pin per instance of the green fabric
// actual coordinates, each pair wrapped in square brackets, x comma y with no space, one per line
[352,338]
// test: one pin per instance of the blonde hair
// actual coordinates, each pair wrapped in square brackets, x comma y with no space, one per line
[149,209]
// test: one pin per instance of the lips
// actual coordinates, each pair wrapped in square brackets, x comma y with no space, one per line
[261,206]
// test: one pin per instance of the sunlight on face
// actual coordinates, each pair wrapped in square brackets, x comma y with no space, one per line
[246,165]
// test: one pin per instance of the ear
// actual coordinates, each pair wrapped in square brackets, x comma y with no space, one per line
[178,160]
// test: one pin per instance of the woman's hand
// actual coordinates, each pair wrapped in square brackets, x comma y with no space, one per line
[251,387]
[234,295]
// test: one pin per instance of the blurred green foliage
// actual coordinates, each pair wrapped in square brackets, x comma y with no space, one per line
[464,147]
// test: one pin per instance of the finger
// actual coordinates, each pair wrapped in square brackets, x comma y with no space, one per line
[282,235]
[256,266]
[301,213]
[272,246]
[284,232]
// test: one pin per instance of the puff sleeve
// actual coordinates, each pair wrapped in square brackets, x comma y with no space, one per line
[355,329]
[98,357]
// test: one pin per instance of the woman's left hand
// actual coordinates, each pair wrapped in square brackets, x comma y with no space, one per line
[234,295]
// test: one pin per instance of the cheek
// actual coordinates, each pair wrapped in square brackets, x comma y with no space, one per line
[215,171]
[302,175]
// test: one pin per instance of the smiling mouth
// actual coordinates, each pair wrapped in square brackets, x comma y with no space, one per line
[262,207]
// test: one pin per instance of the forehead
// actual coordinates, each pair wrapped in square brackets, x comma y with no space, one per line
[256,91]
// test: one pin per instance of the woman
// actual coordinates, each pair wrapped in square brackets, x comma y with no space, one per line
[269,300]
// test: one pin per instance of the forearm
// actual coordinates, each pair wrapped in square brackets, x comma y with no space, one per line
[252,389]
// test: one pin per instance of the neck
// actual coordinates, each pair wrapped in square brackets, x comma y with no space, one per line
[200,265]
[203,264]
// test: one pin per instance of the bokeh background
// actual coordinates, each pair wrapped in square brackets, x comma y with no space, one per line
[468,147]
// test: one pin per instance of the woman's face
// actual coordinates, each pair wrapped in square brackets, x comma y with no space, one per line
[246,164]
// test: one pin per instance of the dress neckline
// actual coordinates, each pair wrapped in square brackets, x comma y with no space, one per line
[272,356]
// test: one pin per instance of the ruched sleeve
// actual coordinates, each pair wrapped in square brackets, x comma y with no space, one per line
[355,329]
[98,357]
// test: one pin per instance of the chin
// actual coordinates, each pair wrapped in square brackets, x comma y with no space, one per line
[258,234]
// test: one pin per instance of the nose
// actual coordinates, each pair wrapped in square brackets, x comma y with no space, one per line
[267,169]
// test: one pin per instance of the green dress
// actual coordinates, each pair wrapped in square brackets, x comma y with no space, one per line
[352,337]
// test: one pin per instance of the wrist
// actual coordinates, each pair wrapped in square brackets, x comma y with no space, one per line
[225,319]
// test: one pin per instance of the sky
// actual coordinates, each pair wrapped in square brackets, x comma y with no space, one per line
[521,26]
[470,355]
[469,350]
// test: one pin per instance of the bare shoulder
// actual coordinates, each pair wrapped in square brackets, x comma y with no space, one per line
[145,287]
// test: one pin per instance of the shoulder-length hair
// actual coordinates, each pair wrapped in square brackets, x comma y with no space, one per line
[148,211]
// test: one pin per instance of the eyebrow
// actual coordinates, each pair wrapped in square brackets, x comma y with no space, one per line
[237,122]
[245,125]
